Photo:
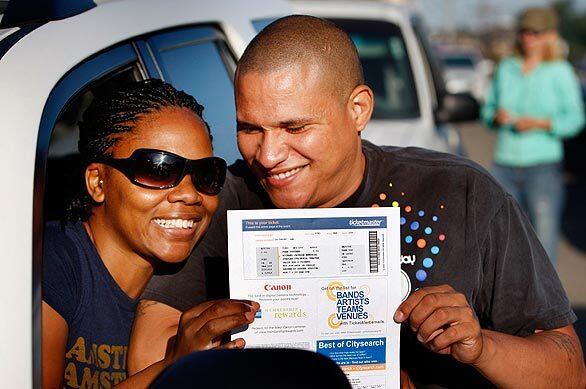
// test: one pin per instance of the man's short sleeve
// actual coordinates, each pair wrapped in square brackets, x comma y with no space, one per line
[61,273]
[521,289]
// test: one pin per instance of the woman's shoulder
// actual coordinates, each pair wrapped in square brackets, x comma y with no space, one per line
[62,240]
[511,62]
[559,65]
[62,268]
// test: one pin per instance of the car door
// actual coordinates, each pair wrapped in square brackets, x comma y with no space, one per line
[199,61]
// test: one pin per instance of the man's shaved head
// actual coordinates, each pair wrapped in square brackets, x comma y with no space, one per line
[301,39]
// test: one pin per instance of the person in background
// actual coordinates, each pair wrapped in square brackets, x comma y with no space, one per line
[534,102]
[151,190]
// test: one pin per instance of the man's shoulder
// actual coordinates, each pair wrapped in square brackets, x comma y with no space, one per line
[417,157]
[420,165]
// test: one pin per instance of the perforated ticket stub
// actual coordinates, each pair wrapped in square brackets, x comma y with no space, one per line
[327,280]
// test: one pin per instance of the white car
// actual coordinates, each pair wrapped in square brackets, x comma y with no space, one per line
[54,57]
[412,107]
[466,71]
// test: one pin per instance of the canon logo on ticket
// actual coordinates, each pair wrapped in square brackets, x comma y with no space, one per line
[277,287]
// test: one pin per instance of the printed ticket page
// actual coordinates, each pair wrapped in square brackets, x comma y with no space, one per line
[327,280]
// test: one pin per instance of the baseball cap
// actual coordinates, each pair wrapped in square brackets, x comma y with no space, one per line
[538,19]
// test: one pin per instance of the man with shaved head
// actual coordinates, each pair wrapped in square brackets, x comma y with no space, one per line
[483,305]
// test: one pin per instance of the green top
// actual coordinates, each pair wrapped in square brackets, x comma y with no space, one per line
[550,91]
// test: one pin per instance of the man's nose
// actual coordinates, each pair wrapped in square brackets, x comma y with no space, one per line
[273,149]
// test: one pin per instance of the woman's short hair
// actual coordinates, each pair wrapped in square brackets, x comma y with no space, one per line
[111,115]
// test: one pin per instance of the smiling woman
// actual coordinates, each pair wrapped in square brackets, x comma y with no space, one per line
[150,189]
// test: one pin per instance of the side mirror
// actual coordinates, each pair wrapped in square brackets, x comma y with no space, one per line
[458,107]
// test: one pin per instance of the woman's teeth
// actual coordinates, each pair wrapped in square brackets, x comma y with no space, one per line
[282,176]
[174,223]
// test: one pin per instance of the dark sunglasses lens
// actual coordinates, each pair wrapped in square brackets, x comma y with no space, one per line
[157,170]
[209,175]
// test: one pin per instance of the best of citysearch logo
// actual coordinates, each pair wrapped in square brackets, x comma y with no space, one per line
[365,223]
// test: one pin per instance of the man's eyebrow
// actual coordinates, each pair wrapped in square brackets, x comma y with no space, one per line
[245,124]
[286,123]
[295,122]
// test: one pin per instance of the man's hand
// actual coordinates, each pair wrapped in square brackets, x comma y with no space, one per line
[444,322]
[202,327]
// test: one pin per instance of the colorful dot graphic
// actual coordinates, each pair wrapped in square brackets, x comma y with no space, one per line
[408,208]
[442,206]
[402,193]
[395,204]
[442,237]
[428,230]
[408,239]
[435,250]
[428,262]
[414,226]
[421,213]
[403,221]
[390,184]
[421,243]
[434,218]
[421,275]
[382,196]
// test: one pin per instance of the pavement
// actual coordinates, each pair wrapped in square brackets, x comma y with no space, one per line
[478,143]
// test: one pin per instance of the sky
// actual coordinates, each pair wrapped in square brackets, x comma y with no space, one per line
[440,14]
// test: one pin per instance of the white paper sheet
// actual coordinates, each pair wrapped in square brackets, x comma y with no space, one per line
[327,280]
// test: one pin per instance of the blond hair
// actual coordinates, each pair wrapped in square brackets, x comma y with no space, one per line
[554,51]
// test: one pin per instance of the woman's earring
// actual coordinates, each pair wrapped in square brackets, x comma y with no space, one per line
[101,182]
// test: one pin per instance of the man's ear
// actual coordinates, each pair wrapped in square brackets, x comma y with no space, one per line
[94,181]
[361,102]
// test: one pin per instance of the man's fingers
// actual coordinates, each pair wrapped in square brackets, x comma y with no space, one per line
[452,335]
[412,301]
[440,318]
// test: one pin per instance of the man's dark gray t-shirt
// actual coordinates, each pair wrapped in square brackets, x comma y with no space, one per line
[458,227]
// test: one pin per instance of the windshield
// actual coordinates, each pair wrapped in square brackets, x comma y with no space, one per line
[386,66]
[458,62]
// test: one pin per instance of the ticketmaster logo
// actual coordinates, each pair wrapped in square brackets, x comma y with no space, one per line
[365,223]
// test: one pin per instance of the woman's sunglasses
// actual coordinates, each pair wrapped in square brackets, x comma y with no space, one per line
[157,169]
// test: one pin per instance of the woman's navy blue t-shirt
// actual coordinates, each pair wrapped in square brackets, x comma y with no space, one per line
[77,285]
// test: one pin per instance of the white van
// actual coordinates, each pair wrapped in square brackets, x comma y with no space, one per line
[412,107]
[54,57]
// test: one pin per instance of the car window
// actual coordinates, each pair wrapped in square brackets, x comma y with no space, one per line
[386,66]
[67,102]
[259,24]
[198,61]
[458,62]
[434,69]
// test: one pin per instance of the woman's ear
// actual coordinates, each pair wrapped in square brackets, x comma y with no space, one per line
[94,181]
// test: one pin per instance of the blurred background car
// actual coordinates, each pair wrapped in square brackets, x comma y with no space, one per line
[412,105]
[466,71]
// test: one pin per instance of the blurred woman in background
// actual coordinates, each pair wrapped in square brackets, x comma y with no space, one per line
[533,103]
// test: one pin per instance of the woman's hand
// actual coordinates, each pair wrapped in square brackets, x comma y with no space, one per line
[502,117]
[202,327]
[526,123]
